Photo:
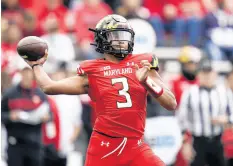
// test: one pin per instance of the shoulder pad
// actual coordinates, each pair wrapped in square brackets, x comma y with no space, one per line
[86,67]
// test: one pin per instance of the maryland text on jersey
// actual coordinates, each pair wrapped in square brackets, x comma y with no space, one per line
[113,72]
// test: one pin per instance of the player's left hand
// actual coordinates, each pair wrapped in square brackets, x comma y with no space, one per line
[142,73]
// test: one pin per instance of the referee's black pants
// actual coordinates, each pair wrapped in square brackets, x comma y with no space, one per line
[57,162]
[23,155]
[209,151]
[52,157]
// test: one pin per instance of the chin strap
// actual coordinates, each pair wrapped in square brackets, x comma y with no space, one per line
[35,65]
[120,57]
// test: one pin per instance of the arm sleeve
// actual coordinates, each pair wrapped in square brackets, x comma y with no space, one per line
[183,109]
[5,111]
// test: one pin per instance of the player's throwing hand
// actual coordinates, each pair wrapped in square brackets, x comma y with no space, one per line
[142,72]
[40,61]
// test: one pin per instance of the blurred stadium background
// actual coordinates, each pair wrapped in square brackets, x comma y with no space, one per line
[168,28]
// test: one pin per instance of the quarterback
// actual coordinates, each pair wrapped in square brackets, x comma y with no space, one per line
[118,83]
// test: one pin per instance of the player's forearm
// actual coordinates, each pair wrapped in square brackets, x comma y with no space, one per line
[75,85]
[167,99]
[43,79]
[159,91]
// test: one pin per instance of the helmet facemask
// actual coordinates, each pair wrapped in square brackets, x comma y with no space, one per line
[119,42]
[114,35]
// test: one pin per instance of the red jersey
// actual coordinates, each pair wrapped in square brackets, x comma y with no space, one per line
[120,100]
[179,85]
[227,139]
[56,120]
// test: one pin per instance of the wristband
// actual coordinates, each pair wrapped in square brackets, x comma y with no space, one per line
[35,65]
[152,87]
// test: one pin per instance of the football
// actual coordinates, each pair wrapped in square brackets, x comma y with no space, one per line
[31,48]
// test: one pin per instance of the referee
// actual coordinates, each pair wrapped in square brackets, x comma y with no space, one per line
[203,111]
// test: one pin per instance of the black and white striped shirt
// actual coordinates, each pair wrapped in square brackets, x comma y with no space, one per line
[200,105]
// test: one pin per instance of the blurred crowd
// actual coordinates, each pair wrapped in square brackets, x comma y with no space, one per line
[205,25]
[64,24]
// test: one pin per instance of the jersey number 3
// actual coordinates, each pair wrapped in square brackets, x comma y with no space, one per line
[123,92]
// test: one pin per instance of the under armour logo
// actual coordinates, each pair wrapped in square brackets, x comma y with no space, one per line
[105,143]
[139,142]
